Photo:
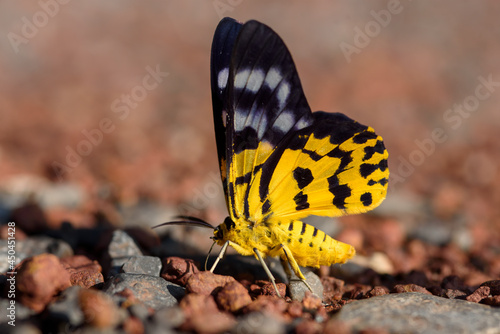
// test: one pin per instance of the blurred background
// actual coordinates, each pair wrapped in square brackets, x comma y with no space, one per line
[106,109]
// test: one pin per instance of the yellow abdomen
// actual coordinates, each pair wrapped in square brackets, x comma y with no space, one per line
[312,247]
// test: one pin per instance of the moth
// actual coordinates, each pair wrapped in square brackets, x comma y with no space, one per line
[279,161]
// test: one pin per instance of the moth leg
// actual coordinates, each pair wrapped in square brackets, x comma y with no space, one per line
[286,267]
[268,272]
[295,266]
[220,256]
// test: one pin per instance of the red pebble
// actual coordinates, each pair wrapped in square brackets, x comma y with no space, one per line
[39,279]
[178,270]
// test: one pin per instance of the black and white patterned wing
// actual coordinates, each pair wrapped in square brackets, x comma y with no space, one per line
[265,103]
[222,48]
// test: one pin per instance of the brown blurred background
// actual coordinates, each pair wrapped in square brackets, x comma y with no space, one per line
[424,74]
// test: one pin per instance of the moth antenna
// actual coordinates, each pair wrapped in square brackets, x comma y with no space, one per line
[209,251]
[191,218]
[200,223]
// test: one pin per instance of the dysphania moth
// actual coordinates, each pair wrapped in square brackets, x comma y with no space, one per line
[280,162]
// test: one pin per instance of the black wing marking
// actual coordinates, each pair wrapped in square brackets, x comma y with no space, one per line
[266,97]
[265,103]
[334,167]
[222,47]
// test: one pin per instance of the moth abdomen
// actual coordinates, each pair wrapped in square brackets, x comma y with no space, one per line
[312,247]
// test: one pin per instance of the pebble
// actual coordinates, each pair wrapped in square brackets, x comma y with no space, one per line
[39,279]
[478,295]
[259,323]
[332,288]
[494,286]
[35,246]
[178,270]
[98,309]
[298,288]
[148,265]
[66,309]
[169,317]
[419,313]
[153,291]
[83,271]
[205,282]
[400,288]
[120,249]
[203,315]
[232,297]
[270,305]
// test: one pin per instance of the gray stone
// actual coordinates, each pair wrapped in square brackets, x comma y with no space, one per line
[139,311]
[258,323]
[169,317]
[153,291]
[298,288]
[121,248]
[35,246]
[419,313]
[148,265]
[67,308]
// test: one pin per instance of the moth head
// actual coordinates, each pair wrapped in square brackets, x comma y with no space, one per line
[218,234]
[222,230]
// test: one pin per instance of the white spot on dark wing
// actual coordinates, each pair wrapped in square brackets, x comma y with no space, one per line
[283,92]
[273,78]
[302,123]
[222,78]
[262,126]
[240,116]
[240,80]
[255,80]
[285,121]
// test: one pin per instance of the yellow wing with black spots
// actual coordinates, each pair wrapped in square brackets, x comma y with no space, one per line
[339,167]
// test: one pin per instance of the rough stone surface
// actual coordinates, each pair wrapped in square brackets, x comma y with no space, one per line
[203,316]
[494,286]
[39,279]
[83,271]
[204,282]
[270,305]
[178,270]
[232,297]
[120,249]
[298,288]
[419,313]
[35,246]
[147,265]
[153,291]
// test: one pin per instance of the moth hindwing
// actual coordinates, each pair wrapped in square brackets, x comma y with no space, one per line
[279,161]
